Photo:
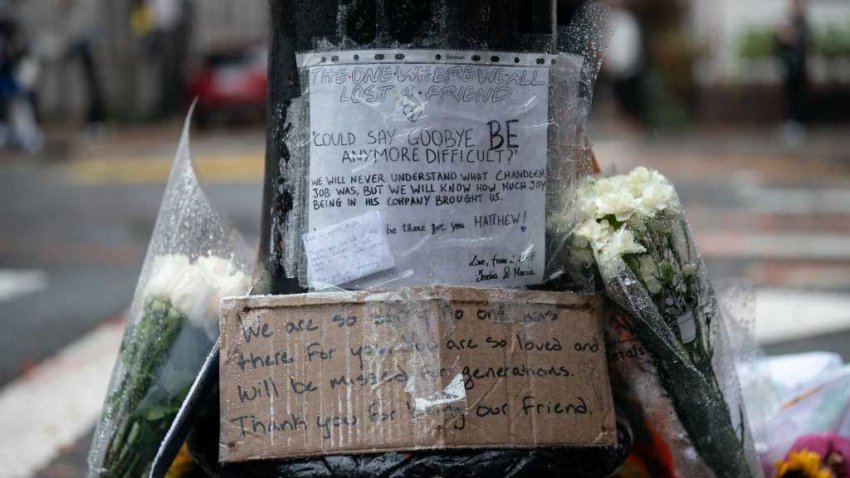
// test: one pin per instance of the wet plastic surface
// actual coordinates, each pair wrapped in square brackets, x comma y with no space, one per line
[193,260]
[551,462]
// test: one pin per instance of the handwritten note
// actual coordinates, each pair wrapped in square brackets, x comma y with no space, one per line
[347,251]
[452,152]
[409,369]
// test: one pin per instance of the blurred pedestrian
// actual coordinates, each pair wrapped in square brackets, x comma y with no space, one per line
[18,75]
[171,30]
[8,87]
[793,42]
[82,18]
[625,62]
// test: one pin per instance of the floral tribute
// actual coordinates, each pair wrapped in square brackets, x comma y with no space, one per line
[823,455]
[632,231]
[161,354]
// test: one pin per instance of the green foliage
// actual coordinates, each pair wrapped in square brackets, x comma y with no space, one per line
[833,41]
[141,409]
[656,317]
[757,43]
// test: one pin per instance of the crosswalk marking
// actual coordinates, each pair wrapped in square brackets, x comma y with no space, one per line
[785,314]
[796,201]
[808,246]
[237,168]
[56,403]
[17,283]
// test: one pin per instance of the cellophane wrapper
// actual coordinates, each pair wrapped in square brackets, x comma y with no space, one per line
[193,259]
[674,353]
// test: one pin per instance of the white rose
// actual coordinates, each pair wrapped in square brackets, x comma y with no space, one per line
[196,289]
[216,277]
[234,284]
[193,295]
[164,272]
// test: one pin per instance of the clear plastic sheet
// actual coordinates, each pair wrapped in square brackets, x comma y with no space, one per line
[796,397]
[346,26]
[562,159]
[515,463]
[194,258]
[349,27]
[662,444]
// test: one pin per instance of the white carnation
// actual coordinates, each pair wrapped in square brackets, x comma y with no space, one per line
[656,198]
[607,241]
[643,192]
[649,273]
[619,203]
[638,179]
[621,243]
[653,192]
[597,234]
[586,196]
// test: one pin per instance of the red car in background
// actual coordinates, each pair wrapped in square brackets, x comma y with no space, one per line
[231,85]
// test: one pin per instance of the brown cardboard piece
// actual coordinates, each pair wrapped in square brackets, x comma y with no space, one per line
[421,368]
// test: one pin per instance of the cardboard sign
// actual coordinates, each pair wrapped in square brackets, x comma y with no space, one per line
[423,368]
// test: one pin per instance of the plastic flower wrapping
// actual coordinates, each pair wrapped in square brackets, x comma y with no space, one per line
[194,259]
[798,405]
[631,230]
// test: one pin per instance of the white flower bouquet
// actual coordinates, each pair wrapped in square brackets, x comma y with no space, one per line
[194,259]
[162,353]
[632,231]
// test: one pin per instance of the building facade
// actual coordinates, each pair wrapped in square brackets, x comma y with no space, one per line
[125,61]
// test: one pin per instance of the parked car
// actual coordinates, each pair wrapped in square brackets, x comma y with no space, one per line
[230,85]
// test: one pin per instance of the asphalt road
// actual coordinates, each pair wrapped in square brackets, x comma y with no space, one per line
[81,236]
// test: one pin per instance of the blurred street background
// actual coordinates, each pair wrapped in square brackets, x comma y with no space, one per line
[744,104]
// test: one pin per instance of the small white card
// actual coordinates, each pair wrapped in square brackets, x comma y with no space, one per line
[348,250]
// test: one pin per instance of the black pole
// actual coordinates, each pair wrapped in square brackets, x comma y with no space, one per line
[312,25]
[297,25]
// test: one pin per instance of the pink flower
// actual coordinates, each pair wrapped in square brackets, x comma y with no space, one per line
[833,449]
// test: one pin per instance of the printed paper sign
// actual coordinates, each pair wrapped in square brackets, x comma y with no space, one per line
[347,251]
[412,369]
[451,150]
